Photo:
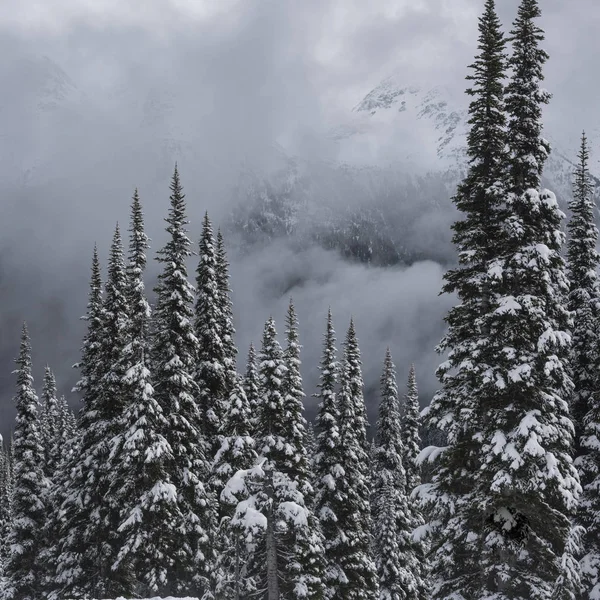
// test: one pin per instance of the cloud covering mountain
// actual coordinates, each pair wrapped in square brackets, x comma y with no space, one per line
[287,127]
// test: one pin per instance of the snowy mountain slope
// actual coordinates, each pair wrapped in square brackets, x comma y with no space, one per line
[402,150]
[434,118]
[437,118]
[399,153]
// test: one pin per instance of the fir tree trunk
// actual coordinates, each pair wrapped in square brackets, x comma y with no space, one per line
[271,540]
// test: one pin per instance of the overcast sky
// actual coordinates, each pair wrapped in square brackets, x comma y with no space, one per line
[331,50]
[246,73]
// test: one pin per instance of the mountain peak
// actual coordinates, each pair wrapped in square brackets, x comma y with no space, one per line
[387,94]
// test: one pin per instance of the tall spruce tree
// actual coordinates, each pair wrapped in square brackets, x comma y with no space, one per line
[24,571]
[5,507]
[91,545]
[77,556]
[584,290]
[210,370]
[140,489]
[524,98]
[226,321]
[294,405]
[505,486]
[306,568]
[237,453]
[68,422]
[584,303]
[56,451]
[174,352]
[399,564]
[271,506]
[50,420]
[327,464]
[530,471]
[68,443]
[115,359]
[411,438]
[353,548]
[453,515]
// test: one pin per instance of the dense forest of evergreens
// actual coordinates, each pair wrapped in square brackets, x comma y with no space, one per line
[185,475]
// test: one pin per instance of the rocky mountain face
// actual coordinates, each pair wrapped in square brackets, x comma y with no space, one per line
[383,199]
[403,210]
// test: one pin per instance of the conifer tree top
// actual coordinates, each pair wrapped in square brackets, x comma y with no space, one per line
[227,328]
[329,367]
[327,421]
[351,396]
[116,261]
[251,368]
[95,294]
[582,256]
[388,441]
[207,303]
[25,378]
[292,352]
[272,371]
[177,248]
[49,389]
[486,115]
[138,240]
[23,575]
[524,99]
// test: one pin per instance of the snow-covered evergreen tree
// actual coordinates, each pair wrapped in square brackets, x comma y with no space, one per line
[136,265]
[584,289]
[271,508]
[237,448]
[140,489]
[524,98]
[91,544]
[293,421]
[115,359]
[411,438]
[453,513]
[352,549]
[399,562]
[584,303]
[210,370]
[505,486]
[90,540]
[76,564]
[68,422]
[24,572]
[327,465]
[68,443]
[252,387]
[55,448]
[226,321]
[532,464]
[51,426]
[174,352]
[237,453]
[5,506]
[306,567]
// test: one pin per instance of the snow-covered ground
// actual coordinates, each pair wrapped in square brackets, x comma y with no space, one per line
[155,598]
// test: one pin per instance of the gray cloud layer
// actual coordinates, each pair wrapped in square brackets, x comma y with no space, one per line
[241,78]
